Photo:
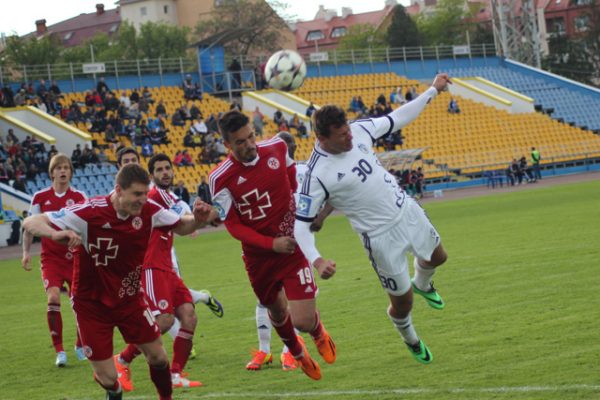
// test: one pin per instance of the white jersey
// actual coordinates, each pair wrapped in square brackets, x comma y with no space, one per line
[355,182]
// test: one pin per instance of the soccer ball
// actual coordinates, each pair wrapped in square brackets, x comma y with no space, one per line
[285,70]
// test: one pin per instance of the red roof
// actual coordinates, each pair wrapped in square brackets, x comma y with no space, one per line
[76,30]
[326,27]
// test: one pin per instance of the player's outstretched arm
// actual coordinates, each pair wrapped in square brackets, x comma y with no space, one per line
[39,225]
[26,259]
[306,241]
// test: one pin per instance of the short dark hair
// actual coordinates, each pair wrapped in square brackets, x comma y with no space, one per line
[130,174]
[232,121]
[327,117]
[126,150]
[156,158]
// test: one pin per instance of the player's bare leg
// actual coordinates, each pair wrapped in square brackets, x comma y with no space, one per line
[158,363]
[182,345]
[281,320]
[399,313]
[105,374]
[424,270]
[306,318]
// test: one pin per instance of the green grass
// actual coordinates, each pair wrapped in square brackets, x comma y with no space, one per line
[521,320]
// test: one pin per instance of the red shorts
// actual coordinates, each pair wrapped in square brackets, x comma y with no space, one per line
[165,291]
[290,272]
[96,322]
[56,275]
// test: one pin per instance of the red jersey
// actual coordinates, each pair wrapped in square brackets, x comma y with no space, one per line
[158,255]
[109,262]
[255,199]
[54,254]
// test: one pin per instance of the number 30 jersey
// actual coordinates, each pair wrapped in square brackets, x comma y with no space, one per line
[355,182]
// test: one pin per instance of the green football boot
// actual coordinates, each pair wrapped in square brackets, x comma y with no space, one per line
[420,352]
[431,296]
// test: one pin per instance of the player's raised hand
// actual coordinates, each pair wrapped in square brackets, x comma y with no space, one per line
[325,268]
[69,238]
[26,261]
[284,245]
[441,82]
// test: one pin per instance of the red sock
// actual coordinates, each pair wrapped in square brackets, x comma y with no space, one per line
[318,330]
[161,377]
[285,330]
[182,346]
[55,326]
[130,352]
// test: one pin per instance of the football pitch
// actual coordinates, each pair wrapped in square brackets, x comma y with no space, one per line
[521,318]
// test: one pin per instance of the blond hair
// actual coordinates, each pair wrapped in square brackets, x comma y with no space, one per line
[57,159]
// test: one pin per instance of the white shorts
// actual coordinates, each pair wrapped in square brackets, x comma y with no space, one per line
[387,251]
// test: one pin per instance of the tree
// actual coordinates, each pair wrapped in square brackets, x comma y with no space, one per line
[360,37]
[161,40]
[257,24]
[403,31]
[448,24]
[31,50]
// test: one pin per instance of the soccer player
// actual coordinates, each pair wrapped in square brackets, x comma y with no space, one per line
[111,235]
[57,259]
[167,294]
[263,355]
[252,189]
[344,171]
[128,155]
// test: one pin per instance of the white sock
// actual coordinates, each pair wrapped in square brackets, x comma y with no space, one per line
[263,327]
[199,296]
[406,329]
[174,330]
[423,276]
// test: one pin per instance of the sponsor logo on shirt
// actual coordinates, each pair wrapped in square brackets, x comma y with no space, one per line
[340,176]
[177,209]
[363,148]
[70,202]
[241,179]
[273,163]
[303,205]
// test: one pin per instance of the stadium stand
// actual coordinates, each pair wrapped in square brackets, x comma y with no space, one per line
[567,105]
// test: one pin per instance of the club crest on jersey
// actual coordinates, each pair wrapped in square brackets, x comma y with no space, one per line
[69,255]
[363,148]
[87,350]
[137,223]
[70,202]
[273,163]
[304,203]
[163,304]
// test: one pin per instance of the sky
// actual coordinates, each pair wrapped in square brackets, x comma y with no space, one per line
[20,16]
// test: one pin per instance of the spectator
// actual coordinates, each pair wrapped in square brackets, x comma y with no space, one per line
[160,109]
[42,89]
[258,122]
[199,127]
[302,132]
[188,87]
[381,99]
[309,112]
[236,76]
[134,96]
[182,192]
[147,95]
[361,104]
[54,88]
[453,106]
[183,159]
[510,176]
[176,119]
[102,87]
[3,174]
[19,184]
[526,170]
[188,140]
[76,156]
[109,134]
[102,157]
[195,112]
[126,101]
[147,149]
[278,117]
[203,191]
[235,106]
[197,92]
[354,105]
[535,162]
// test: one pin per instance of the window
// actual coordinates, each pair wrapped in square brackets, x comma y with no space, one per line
[556,26]
[143,11]
[315,35]
[582,23]
[114,28]
[166,9]
[339,32]
[68,36]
